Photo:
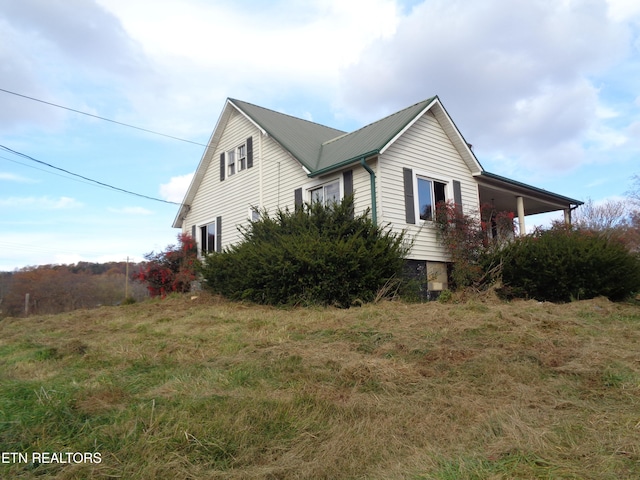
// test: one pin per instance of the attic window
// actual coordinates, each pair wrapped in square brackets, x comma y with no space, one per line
[237,159]
[242,157]
[231,162]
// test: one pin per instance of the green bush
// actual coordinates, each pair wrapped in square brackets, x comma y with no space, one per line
[563,264]
[313,255]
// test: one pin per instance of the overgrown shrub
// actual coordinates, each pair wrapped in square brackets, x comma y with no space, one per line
[564,264]
[172,270]
[312,255]
[463,238]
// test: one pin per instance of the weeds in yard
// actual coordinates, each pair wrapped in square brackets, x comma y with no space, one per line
[206,388]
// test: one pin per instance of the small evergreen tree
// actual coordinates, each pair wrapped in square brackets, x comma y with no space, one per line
[313,255]
[563,264]
[172,270]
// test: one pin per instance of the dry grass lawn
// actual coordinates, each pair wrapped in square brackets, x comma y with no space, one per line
[204,388]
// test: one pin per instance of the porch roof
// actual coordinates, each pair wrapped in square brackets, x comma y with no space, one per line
[502,192]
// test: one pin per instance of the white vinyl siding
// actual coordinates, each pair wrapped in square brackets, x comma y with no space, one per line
[282,174]
[428,152]
[229,198]
[362,187]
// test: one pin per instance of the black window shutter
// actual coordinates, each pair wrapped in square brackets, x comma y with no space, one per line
[409,206]
[457,195]
[249,152]
[218,234]
[193,232]
[347,180]
[297,198]
[221,166]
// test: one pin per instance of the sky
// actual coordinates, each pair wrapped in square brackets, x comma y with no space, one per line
[547,91]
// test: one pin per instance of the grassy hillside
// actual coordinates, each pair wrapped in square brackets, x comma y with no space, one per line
[205,388]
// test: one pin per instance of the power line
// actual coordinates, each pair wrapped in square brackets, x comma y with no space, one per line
[102,118]
[86,178]
[47,171]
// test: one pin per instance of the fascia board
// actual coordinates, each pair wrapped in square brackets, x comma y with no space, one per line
[338,166]
[407,126]
[257,125]
[203,165]
[458,139]
[505,184]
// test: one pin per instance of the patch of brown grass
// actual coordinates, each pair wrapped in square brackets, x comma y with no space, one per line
[480,388]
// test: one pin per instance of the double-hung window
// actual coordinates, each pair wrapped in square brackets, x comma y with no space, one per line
[430,194]
[242,157]
[231,162]
[237,159]
[326,194]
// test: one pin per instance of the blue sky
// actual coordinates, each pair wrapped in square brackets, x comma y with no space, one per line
[548,92]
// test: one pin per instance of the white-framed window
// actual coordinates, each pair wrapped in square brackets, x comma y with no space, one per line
[208,237]
[327,193]
[430,192]
[254,214]
[242,157]
[231,162]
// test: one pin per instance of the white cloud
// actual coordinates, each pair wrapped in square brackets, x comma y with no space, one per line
[131,211]
[515,75]
[621,10]
[176,188]
[45,203]
[12,177]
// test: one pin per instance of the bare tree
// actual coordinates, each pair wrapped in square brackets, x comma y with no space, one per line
[602,217]
[634,193]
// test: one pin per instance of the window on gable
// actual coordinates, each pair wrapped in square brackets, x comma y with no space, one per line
[326,194]
[231,162]
[242,157]
[208,238]
[430,193]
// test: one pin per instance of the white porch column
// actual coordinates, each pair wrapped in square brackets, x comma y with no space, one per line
[567,217]
[520,206]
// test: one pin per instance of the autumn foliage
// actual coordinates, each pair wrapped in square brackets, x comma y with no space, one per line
[172,270]
[51,289]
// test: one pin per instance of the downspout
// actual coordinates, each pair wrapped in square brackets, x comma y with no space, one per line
[372,177]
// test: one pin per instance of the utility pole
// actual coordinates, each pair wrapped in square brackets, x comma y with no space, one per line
[126,280]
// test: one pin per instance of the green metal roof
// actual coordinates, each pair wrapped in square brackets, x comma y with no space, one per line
[367,140]
[321,149]
[528,188]
[302,138]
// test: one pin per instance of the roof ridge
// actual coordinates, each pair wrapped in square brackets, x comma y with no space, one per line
[285,114]
[427,100]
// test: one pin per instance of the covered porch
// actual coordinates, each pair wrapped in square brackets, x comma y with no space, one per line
[506,195]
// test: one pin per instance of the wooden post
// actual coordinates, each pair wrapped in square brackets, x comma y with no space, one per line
[26,304]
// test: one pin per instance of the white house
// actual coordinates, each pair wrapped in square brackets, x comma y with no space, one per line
[399,167]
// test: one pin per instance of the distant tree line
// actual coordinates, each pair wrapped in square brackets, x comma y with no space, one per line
[50,289]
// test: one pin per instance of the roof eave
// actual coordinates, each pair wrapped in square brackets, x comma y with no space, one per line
[525,188]
[201,168]
[390,141]
[344,163]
